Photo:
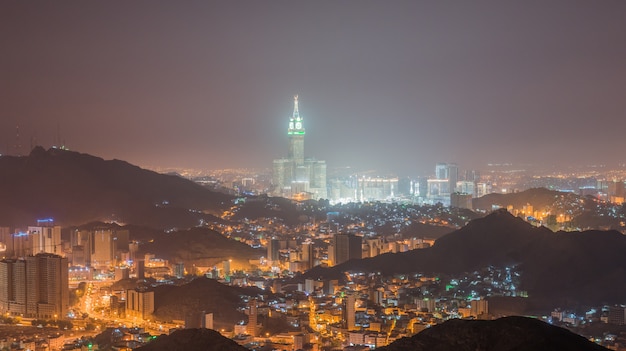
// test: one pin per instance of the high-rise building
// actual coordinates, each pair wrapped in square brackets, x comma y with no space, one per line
[349,311]
[346,247]
[466,187]
[297,176]
[482,189]
[251,329]
[46,237]
[273,250]
[6,242]
[449,171]
[103,248]
[139,303]
[308,254]
[35,287]
[440,188]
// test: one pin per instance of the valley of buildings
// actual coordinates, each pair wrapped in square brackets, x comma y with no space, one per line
[40,268]
[360,310]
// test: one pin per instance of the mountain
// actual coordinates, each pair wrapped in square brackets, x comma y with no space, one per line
[76,188]
[199,246]
[201,294]
[539,198]
[192,340]
[585,266]
[504,334]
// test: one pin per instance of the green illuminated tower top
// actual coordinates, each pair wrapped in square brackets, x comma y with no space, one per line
[295,122]
[296,135]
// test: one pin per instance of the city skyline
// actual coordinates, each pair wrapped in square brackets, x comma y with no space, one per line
[395,87]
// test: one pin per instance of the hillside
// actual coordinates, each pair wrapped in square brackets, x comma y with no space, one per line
[192,340]
[567,266]
[76,188]
[200,246]
[504,334]
[538,197]
[202,294]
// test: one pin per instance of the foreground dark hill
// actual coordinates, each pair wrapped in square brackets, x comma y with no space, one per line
[76,188]
[587,267]
[504,334]
[192,340]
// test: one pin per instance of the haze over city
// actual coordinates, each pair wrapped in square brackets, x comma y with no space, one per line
[395,86]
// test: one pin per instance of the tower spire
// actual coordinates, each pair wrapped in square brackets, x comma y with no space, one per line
[296,113]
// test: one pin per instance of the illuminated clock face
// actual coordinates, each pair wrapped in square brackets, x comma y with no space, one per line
[290,125]
[298,125]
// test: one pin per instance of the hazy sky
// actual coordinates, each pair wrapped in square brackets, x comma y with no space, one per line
[397,85]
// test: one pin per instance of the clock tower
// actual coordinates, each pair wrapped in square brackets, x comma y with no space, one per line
[296,136]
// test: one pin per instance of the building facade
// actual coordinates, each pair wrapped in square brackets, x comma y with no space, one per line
[35,286]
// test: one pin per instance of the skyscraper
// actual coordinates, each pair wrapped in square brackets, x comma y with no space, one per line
[36,287]
[273,250]
[46,237]
[252,318]
[139,303]
[103,248]
[297,176]
[308,254]
[349,312]
[440,188]
[345,247]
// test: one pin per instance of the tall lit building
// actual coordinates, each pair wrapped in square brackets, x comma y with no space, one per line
[449,171]
[444,184]
[345,247]
[46,237]
[35,287]
[349,312]
[252,328]
[102,250]
[297,176]
[139,303]
[273,250]
[308,254]
[6,242]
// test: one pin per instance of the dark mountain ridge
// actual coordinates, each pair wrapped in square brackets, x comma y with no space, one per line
[192,340]
[585,266]
[76,188]
[504,334]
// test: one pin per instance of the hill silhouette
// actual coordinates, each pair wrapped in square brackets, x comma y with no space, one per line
[504,334]
[76,188]
[586,267]
[201,294]
[200,246]
[192,340]
[538,197]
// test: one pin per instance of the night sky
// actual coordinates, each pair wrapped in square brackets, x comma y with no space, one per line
[393,85]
